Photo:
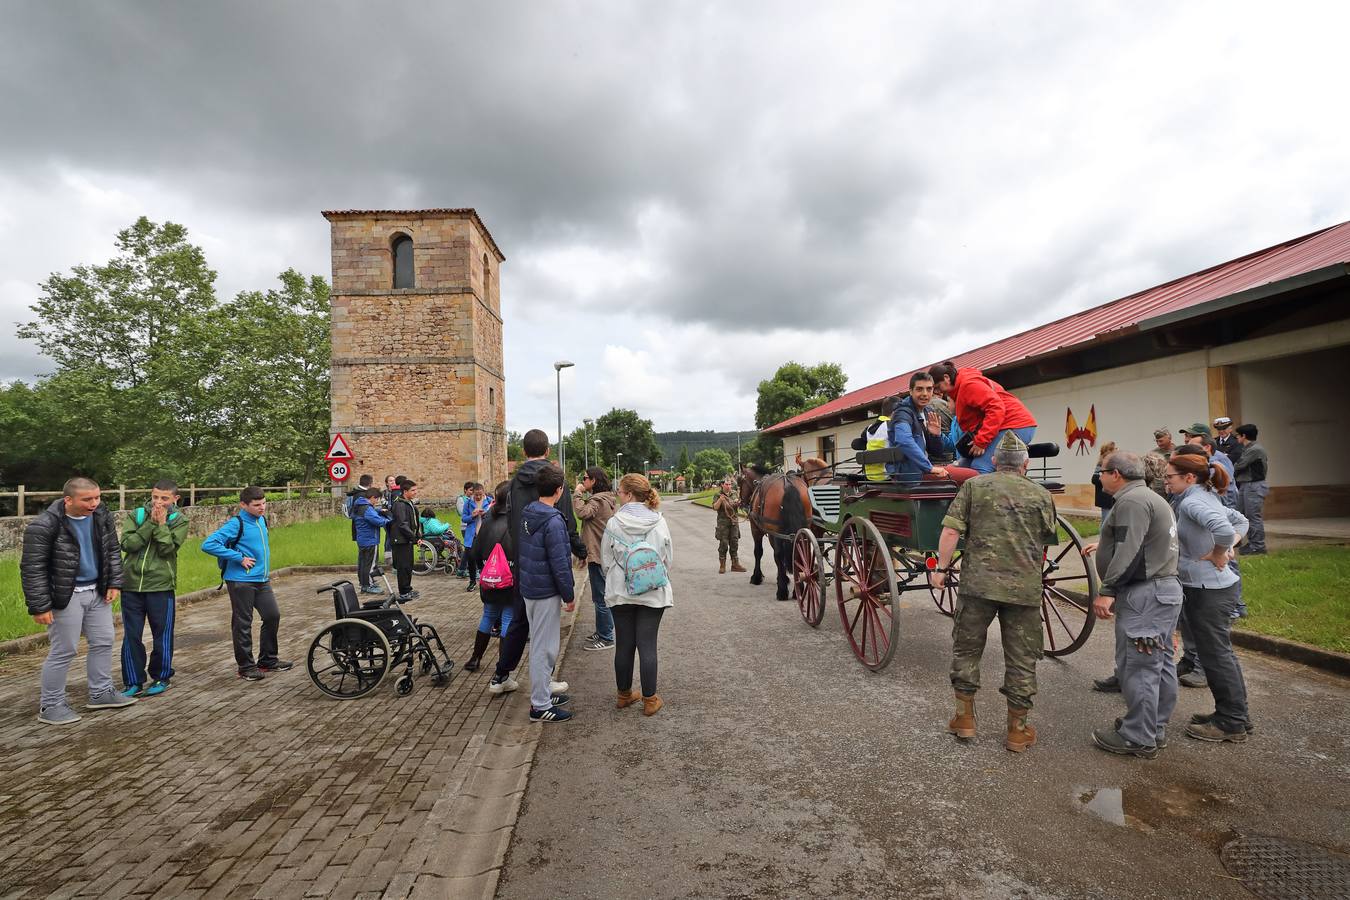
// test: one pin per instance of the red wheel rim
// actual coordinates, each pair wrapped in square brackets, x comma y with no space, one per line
[806,577]
[945,599]
[866,593]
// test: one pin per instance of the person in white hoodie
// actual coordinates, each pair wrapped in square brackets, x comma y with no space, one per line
[637,615]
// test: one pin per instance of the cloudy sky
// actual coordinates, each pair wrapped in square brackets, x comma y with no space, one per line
[688,194]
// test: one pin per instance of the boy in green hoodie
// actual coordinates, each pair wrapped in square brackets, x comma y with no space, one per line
[151,538]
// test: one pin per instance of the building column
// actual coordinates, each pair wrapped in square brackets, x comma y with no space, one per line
[1225,397]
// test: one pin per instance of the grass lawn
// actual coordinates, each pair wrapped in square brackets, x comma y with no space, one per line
[1299,594]
[705,498]
[327,542]
[1086,526]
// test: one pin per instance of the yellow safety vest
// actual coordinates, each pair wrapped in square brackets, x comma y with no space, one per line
[876,440]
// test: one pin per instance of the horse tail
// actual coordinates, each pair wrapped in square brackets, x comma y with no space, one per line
[794,514]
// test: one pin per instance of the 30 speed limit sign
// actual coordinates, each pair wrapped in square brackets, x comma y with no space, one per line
[338,470]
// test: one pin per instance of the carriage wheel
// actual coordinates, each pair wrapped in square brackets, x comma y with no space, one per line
[866,592]
[424,558]
[348,659]
[1070,586]
[808,577]
[946,598]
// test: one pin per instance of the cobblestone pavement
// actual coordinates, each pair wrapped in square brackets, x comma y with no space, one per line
[781,768]
[222,788]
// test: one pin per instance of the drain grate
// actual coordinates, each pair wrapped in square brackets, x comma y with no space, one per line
[1277,868]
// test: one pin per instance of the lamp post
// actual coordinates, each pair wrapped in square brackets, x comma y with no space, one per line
[586,445]
[618,461]
[557,369]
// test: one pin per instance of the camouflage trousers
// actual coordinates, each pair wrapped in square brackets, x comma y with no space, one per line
[728,537]
[1022,646]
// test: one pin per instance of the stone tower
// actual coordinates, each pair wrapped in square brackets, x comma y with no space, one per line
[417,347]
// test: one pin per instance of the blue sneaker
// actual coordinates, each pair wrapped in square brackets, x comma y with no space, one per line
[133,690]
[552,714]
[372,590]
[156,687]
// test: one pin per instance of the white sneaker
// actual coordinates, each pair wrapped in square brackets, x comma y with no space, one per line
[505,686]
[557,687]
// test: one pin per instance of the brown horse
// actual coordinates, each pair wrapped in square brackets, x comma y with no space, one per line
[779,506]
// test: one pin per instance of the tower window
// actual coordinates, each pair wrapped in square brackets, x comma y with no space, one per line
[487,280]
[492,396]
[404,274]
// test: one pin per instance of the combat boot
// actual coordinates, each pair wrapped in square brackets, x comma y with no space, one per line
[736,564]
[963,723]
[722,567]
[1020,734]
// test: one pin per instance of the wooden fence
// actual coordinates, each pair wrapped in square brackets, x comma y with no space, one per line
[191,491]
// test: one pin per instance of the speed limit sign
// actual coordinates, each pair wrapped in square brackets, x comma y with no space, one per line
[338,470]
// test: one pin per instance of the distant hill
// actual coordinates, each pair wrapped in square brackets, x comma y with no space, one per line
[670,443]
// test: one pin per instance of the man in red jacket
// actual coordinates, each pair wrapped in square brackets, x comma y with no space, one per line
[984,410]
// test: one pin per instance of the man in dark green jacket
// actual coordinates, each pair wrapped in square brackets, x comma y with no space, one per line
[151,538]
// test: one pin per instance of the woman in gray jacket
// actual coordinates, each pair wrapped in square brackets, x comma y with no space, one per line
[1208,533]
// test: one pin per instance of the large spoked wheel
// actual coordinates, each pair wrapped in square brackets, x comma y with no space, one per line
[808,577]
[1070,586]
[425,558]
[348,659]
[866,592]
[946,598]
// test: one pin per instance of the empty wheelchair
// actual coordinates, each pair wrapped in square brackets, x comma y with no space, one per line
[350,657]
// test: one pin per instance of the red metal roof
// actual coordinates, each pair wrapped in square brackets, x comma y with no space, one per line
[1294,257]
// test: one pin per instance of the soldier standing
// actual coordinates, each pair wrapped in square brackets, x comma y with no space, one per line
[728,528]
[1008,520]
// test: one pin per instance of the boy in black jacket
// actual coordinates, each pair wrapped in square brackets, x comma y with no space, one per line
[404,531]
[545,579]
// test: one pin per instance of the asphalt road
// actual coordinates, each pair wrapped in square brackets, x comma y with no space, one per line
[781,768]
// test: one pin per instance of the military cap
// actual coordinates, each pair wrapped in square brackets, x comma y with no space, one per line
[1011,443]
[1197,428]
[1222,422]
[1159,432]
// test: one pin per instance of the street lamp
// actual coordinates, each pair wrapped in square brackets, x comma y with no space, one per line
[618,461]
[586,445]
[557,368]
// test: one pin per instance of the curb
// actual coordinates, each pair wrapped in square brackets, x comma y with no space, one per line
[1308,655]
[30,642]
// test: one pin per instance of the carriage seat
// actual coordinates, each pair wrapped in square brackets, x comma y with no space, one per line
[824,501]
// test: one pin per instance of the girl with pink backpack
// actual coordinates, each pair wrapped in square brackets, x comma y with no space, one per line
[496,580]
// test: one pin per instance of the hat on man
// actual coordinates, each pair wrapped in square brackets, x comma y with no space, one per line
[1197,429]
[1159,432]
[1223,422]
[1012,443]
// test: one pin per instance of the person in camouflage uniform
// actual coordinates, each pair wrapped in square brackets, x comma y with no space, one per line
[728,527]
[1155,461]
[1007,520]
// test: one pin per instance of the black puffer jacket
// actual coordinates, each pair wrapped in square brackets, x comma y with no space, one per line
[51,557]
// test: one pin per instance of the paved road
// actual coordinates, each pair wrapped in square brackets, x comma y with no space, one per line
[780,767]
[222,788]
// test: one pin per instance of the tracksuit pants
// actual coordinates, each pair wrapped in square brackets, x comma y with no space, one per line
[545,618]
[245,597]
[87,614]
[365,564]
[137,607]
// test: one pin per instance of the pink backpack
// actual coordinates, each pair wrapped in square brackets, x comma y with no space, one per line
[496,572]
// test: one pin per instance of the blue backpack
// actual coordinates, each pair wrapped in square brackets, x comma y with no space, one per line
[643,569]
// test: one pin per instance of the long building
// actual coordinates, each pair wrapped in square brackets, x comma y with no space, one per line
[1263,339]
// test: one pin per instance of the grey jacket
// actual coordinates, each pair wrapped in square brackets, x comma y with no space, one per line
[1139,539]
[1253,465]
[1203,523]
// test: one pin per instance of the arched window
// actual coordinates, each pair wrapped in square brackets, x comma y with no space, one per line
[487,281]
[404,274]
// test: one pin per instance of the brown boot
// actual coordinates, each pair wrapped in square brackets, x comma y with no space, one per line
[963,723]
[1020,734]
[722,569]
[628,698]
[736,565]
[651,704]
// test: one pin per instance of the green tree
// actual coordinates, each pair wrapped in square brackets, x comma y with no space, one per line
[792,390]
[515,450]
[712,464]
[683,464]
[620,431]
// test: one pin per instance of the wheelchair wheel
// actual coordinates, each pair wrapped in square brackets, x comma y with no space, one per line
[348,659]
[425,558]
[404,685]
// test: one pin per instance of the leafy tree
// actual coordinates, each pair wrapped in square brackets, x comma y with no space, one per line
[683,465]
[793,389]
[620,431]
[712,464]
[515,449]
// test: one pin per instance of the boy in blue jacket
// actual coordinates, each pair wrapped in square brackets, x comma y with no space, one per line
[243,544]
[367,524]
[545,575]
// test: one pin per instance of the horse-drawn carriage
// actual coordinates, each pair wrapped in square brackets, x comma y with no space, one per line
[877,540]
